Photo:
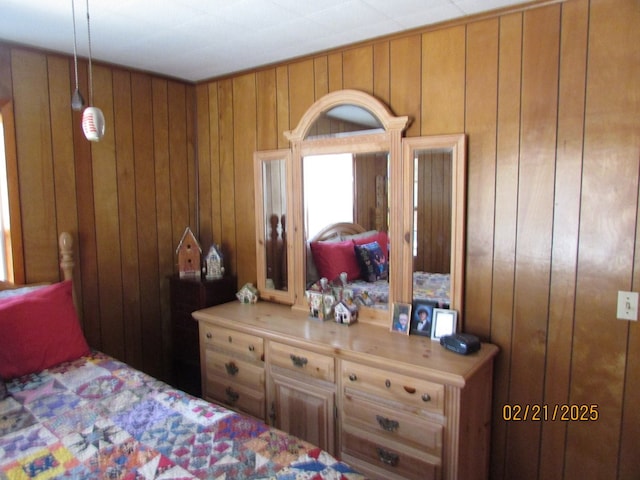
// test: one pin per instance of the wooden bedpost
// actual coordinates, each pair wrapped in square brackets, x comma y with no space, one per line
[65,244]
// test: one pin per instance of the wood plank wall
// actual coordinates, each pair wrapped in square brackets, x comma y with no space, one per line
[548,97]
[127,199]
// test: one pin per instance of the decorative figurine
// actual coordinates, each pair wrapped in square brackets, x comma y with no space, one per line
[247,294]
[214,263]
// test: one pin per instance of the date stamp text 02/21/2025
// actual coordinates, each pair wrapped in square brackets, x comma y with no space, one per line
[542,413]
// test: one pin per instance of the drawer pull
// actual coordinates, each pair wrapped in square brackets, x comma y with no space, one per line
[208,335]
[230,339]
[426,397]
[353,377]
[410,390]
[298,361]
[231,368]
[387,383]
[252,348]
[388,457]
[232,395]
[387,424]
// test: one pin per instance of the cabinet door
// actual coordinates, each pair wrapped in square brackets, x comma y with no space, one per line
[303,409]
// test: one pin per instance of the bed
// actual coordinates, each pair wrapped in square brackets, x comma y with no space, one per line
[67,411]
[340,247]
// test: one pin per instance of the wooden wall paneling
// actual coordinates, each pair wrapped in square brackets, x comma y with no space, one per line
[87,292]
[146,235]
[214,179]
[481,101]
[443,81]
[566,223]
[228,209]
[205,164]
[105,184]
[244,135]
[381,72]
[301,90]
[167,260]
[334,66]
[534,229]
[503,227]
[266,110]
[35,164]
[190,145]
[357,70]
[282,99]
[127,215]
[178,161]
[405,92]
[321,76]
[62,145]
[609,216]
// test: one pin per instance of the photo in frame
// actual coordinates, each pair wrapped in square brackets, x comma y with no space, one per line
[444,323]
[422,317]
[400,318]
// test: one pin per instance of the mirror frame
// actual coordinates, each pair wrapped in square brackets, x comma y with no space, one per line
[390,141]
[271,294]
[457,143]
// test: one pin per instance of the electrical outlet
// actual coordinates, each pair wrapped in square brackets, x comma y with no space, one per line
[628,305]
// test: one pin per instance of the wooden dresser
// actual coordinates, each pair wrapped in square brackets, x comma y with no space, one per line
[391,405]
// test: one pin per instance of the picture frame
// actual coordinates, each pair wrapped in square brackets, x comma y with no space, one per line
[422,317]
[444,322]
[400,318]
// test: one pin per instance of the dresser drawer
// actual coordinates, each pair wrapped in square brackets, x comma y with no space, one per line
[393,460]
[239,397]
[412,392]
[248,346]
[221,364]
[414,431]
[312,364]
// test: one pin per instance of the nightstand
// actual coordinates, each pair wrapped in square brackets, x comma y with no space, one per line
[188,295]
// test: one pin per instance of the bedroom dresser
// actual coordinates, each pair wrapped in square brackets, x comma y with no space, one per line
[393,406]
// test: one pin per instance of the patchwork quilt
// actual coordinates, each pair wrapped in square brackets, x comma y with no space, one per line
[96,417]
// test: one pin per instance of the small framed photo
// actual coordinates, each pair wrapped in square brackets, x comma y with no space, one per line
[400,318]
[444,323]
[422,318]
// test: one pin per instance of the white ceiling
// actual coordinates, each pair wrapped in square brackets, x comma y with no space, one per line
[197,40]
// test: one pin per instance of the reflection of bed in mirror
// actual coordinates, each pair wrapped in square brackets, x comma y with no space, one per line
[339,248]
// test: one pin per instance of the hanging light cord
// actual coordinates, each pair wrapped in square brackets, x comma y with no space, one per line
[75,42]
[90,68]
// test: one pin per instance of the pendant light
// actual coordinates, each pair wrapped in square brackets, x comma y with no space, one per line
[92,117]
[77,102]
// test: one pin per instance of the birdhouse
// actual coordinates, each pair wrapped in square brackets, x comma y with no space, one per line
[345,312]
[189,254]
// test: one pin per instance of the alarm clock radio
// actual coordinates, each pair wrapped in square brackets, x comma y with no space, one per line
[462,343]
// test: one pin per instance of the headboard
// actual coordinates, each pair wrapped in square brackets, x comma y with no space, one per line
[334,230]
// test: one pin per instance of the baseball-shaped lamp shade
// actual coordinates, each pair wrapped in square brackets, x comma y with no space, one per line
[93,123]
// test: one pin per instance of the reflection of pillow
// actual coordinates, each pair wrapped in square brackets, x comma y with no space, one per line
[373,262]
[39,330]
[380,237]
[333,258]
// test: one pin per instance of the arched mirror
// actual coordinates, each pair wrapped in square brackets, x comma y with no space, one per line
[346,154]
[355,203]
[434,219]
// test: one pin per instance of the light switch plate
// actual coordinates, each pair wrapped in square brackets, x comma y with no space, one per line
[628,305]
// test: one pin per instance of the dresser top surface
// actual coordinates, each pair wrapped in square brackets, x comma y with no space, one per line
[362,342]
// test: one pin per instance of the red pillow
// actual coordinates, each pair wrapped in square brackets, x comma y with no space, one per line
[38,330]
[380,237]
[333,258]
